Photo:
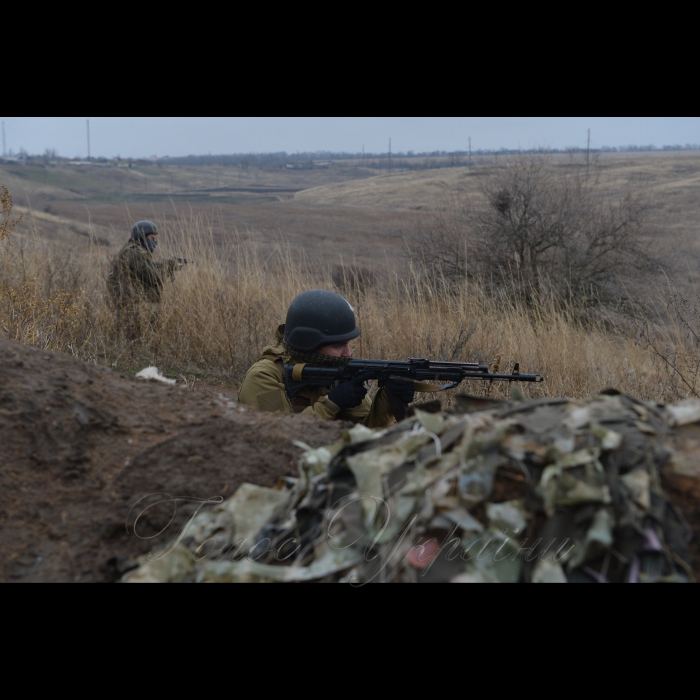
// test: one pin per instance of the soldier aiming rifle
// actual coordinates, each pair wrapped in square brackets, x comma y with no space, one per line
[310,369]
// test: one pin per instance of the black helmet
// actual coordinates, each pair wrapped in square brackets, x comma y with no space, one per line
[319,318]
[141,231]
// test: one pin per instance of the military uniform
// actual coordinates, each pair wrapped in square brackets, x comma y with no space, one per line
[135,276]
[264,389]
[136,288]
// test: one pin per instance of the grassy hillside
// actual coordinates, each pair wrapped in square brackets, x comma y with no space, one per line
[261,237]
[338,213]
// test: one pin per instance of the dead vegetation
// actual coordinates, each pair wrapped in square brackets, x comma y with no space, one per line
[222,310]
[669,331]
[540,233]
[6,221]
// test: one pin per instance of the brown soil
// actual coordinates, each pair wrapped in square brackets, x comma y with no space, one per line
[81,445]
[684,492]
[97,469]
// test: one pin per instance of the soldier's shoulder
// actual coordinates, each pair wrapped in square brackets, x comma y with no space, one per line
[266,367]
[268,363]
[129,248]
[276,351]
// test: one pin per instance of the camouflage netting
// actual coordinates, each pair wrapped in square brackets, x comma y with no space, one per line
[531,491]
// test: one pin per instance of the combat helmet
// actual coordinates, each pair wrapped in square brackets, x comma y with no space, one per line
[141,231]
[319,318]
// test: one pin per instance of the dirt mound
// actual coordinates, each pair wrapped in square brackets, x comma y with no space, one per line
[97,469]
[81,445]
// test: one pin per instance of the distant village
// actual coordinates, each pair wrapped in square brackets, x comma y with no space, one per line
[53,160]
[381,162]
[50,160]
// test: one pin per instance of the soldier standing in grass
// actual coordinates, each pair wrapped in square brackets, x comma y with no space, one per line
[136,280]
[320,326]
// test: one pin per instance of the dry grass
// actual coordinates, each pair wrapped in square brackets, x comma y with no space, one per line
[254,257]
[222,310]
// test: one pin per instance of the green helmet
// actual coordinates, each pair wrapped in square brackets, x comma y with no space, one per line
[319,318]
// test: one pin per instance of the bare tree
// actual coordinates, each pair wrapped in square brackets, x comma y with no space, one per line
[542,229]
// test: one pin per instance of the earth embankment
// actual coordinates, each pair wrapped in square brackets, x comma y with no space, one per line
[81,445]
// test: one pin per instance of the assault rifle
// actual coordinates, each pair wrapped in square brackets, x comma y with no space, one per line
[172,265]
[446,375]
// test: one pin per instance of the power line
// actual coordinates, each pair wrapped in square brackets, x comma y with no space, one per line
[588,155]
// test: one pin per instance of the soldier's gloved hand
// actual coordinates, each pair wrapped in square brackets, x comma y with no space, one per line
[403,391]
[350,394]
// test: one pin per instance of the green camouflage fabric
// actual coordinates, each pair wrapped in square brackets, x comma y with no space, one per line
[540,491]
[135,276]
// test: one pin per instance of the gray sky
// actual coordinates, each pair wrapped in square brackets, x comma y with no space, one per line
[177,136]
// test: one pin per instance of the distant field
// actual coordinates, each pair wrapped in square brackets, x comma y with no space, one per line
[339,214]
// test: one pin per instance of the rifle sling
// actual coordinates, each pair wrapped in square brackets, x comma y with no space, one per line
[425,388]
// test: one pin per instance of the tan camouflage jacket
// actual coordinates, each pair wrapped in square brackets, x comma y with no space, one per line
[264,390]
[134,274]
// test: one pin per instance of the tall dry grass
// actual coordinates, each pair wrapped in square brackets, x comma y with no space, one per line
[224,307]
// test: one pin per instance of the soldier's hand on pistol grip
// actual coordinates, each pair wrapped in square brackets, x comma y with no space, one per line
[350,394]
[403,391]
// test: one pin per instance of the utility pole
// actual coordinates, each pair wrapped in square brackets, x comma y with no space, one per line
[4,142]
[88,138]
[390,155]
[363,155]
[588,155]
[470,151]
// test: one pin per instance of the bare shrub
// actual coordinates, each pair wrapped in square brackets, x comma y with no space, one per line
[671,337]
[541,230]
[52,323]
[6,221]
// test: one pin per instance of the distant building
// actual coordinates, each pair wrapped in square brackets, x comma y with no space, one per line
[101,163]
[309,165]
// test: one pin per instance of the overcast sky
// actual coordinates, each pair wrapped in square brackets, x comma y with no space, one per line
[177,136]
